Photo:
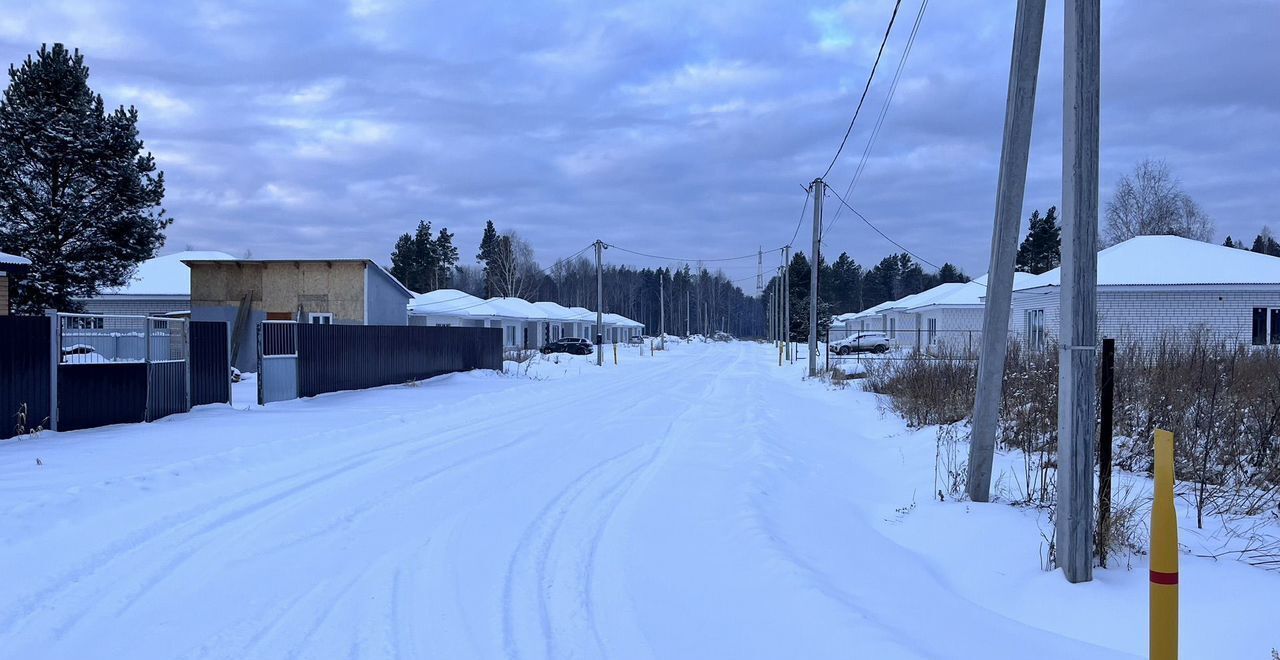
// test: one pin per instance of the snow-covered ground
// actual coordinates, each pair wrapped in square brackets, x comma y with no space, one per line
[698,503]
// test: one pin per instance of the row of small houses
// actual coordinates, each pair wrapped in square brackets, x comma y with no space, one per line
[1148,287]
[214,286]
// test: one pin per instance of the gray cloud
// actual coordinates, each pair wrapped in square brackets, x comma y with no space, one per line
[317,129]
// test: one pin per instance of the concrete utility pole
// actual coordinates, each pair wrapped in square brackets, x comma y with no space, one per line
[1077,370]
[813,277]
[1019,108]
[662,310]
[599,305]
[786,300]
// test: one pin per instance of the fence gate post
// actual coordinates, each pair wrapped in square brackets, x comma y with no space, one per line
[1104,447]
[55,358]
[146,361]
[261,397]
[186,325]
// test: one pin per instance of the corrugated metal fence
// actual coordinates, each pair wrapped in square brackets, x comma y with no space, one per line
[25,363]
[109,369]
[332,358]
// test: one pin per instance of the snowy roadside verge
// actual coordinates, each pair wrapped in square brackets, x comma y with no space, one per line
[993,554]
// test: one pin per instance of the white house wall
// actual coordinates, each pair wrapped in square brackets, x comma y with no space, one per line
[1147,314]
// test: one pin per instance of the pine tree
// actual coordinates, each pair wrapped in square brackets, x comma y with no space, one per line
[402,261]
[78,195]
[446,258]
[950,273]
[423,273]
[1265,243]
[1041,250]
[488,256]
[1230,242]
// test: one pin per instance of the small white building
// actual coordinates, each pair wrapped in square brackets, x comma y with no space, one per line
[561,321]
[524,324]
[159,286]
[619,328]
[448,307]
[1149,286]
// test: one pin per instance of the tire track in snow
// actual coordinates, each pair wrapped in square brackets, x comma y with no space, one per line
[236,509]
[546,536]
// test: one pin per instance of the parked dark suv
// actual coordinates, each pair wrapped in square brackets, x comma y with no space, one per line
[572,345]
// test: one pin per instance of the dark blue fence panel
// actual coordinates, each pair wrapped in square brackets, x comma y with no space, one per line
[167,389]
[92,395]
[210,364]
[332,358]
[24,373]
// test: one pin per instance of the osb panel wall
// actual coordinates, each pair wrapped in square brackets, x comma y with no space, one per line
[335,287]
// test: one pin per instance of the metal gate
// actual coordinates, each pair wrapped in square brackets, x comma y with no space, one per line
[277,361]
[115,369]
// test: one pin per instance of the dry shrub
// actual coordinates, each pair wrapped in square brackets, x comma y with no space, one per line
[925,390]
[1220,399]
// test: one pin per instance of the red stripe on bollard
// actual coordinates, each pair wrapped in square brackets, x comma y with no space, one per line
[1158,577]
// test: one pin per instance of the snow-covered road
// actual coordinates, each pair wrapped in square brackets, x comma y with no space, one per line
[697,504]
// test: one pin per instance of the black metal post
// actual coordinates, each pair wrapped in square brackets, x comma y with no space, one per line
[1104,446]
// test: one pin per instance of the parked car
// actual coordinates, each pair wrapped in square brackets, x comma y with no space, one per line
[636,341]
[873,342]
[571,345]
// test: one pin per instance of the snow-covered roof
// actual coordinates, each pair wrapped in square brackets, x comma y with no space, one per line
[166,275]
[516,308]
[446,302]
[583,314]
[622,321]
[556,311]
[1173,260]
[14,260]
[969,294]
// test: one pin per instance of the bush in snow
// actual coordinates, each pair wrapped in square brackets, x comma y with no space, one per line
[1221,401]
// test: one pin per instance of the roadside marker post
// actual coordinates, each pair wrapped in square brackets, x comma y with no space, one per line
[615,354]
[779,355]
[1164,555]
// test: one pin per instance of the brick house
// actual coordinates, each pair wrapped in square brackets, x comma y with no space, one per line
[12,269]
[1152,285]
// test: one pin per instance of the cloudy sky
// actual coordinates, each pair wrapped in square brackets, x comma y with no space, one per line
[688,129]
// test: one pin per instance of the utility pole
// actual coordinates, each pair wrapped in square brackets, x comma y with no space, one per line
[786,300]
[662,312]
[813,277]
[1019,109]
[1077,370]
[599,305]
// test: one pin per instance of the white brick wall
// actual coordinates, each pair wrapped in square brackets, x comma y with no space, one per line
[1145,315]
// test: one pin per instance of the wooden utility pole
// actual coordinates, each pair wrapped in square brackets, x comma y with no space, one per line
[1077,370]
[813,277]
[599,305]
[1019,110]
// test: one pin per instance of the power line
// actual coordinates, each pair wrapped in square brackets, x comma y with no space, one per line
[884,110]
[753,255]
[865,89]
[794,234]
[884,235]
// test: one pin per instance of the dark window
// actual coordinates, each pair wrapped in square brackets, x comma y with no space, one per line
[1259,326]
[1275,326]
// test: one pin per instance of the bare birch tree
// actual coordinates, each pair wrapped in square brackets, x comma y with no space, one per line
[1150,201]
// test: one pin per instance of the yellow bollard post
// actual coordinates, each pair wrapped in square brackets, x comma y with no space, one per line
[1164,555]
